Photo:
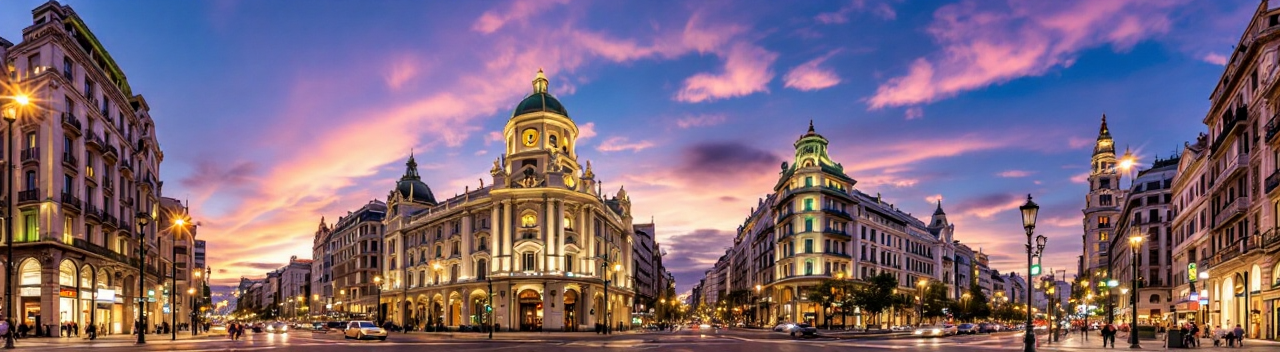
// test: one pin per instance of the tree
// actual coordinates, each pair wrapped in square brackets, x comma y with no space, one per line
[877,295]
[935,301]
[973,305]
[832,293]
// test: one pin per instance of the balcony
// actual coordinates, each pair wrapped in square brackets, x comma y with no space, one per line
[31,155]
[108,184]
[71,124]
[109,220]
[1230,211]
[92,212]
[110,152]
[29,196]
[126,165]
[70,161]
[1271,240]
[838,213]
[70,201]
[1234,165]
[94,141]
[1273,128]
[1273,181]
[1230,120]
[835,232]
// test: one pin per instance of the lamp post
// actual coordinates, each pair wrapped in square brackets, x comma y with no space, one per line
[141,325]
[1029,211]
[377,306]
[10,115]
[488,306]
[1135,240]
[179,223]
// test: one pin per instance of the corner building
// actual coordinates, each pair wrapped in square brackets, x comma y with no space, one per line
[541,234]
[88,162]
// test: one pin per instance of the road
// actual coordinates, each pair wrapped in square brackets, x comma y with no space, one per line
[679,341]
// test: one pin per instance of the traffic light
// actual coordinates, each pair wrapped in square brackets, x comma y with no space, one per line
[1035,269]
[488,308]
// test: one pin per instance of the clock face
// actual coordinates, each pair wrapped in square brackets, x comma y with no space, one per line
[570,181]
[530,137]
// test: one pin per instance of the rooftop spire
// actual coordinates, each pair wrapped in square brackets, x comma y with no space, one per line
[1104,144]
[540,83]
[939,210]
[411,169]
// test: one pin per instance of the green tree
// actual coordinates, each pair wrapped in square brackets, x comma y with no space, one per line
[835,294]
[935,301]
[877,295]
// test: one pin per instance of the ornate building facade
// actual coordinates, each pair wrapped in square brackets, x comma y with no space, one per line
[89,161]
[540,242]
[1102,205]
[815,226]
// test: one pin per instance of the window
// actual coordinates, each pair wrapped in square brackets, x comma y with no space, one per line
[1102,236]
[808,245]
[808,204]
[482,269]
[529,262]
[31,139]
[528,221]
[808,181]
[568,263]
[30,180]
[67,183]
[31,228]
[439,251]
[808,267]
[67,69]
[568,222]
[1104,221]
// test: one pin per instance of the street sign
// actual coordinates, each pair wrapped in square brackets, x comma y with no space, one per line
[1191,272]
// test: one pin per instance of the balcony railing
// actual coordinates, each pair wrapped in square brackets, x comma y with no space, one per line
[70,160]
[70,200]
[1273,128]
[30,195]
[92,211]
[1270,239]
[1230,119]
[94,141]
[838,212]
[1273,181]
[31,155]
[71,123]
[110,152]
[1231,210]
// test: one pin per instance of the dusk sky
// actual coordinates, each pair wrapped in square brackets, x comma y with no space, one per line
[273,114]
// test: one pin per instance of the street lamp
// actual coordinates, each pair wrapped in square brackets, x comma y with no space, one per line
[1029,211]
[179,224]
[1135,240]
[920,301]
[10,115]
[377,307]
[141,325]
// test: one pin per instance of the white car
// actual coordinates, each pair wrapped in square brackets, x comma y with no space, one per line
[934,330]
[364,329]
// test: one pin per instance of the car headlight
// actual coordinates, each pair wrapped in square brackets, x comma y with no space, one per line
[919,332]
[936,331]
[285,328]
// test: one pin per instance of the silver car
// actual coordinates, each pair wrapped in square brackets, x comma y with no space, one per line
[364,329]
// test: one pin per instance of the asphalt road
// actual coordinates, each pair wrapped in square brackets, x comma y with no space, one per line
[679,341]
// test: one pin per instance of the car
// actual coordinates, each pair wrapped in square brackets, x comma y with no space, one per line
[336,325]
[364,329]
[931,330]
[277,328]
[803,329]
[784,327]
[967,328]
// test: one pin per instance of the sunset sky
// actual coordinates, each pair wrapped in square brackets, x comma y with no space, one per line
[273,114]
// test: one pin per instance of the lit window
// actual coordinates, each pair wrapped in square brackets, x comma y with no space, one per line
[528,220]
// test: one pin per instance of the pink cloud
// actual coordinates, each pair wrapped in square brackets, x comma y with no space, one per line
[809,76]
[494,20]
[746,71]
[700,120]
[981,46]
[1080,178]
[990,205]
[400,72]
[1215,58]
[1079,142]
[1014,173]
[914,112]
[614,144]
[933,198]
[586,131]
[880,9]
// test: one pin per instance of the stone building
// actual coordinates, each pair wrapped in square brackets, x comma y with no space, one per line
[539,242]
[356,259]
[1146,214]
[88,163]
[1102,204]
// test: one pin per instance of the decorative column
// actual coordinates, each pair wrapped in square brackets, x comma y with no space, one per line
[558,259]
[467,236]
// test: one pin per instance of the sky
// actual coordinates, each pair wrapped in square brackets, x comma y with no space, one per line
[273,114]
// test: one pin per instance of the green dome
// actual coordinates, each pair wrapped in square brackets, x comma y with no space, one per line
[540,101]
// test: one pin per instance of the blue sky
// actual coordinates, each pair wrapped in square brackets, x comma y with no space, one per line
[275,113]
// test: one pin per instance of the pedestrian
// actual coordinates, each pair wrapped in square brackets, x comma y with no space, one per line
[75,328]
[1195,335]
[1239,332]
[1231,338]
[1084,331]
[1218,334]
[1109,335]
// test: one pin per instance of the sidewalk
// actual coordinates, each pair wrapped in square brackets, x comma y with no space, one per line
[502,335]
[1076,342]
[107,339]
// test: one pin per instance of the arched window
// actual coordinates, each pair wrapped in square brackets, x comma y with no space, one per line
[528,221]
[1255,279]
[1155,298]
[67,274]
[29,273]
[411,282]
[568,222]
[1275,275]
[482,269]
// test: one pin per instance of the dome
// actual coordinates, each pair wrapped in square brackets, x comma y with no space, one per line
[415,190]
[540,100]
[411,186]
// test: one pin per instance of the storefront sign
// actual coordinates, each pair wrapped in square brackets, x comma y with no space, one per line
[1191,272]
[105,295]
[29,292]
[66,292]
[86,294]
